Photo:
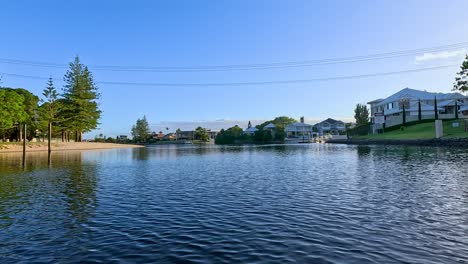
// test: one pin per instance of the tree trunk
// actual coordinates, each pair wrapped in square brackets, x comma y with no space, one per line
[20,134]
[49,137]
[63,135]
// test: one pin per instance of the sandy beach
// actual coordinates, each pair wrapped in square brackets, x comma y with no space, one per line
[33,147]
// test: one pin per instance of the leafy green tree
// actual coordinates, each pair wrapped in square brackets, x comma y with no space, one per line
[280,122]
[27,115]
[461,81]
[12,109]
[141,130]
[201,134]
[263,136]
[81,95]
[231,135]
[361,114]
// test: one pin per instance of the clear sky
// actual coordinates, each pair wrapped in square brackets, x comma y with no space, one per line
[206,33]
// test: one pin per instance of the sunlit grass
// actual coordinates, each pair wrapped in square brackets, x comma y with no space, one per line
[423,131]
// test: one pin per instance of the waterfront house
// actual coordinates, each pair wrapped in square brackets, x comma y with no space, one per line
[187,135]
[190,134]
[331,126]
[157,136]
[389,111]
[299,132]
[170,136]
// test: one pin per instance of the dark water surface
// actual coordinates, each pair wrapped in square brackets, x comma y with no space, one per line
[271,204]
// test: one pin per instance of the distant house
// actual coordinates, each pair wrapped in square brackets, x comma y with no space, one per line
[250,131]
[122,138]
[270,127]
[190,134]
[187,135]
[157,136]
[212,133]
[170,136]
[330,126]
[389,111]
[299,132]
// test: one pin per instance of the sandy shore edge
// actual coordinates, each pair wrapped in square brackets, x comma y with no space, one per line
[36,147]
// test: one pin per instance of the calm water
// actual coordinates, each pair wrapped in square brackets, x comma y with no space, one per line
[271,204]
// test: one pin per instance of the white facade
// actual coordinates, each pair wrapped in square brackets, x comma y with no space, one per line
[408,99]
[300,132]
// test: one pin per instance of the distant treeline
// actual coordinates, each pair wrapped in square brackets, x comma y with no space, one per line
[71,112]
[235,134]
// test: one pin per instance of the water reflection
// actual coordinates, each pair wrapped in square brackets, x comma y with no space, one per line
[60,187]
[236,204]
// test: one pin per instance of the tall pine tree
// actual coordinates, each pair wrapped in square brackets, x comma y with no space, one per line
[50,108]
[80,95]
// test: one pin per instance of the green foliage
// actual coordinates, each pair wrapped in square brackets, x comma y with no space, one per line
[263,136]
[141,130]
[232,135]
[422,130]
[80,95]
[49,110]
[359,130]
[201,134]
[280,122]
[361,114]
[12,108]
[461,81]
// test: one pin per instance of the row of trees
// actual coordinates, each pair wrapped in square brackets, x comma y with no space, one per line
[72,112]
[141,132]
[235,134]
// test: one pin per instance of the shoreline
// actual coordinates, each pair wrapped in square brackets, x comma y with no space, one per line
[62,146]
[447,142]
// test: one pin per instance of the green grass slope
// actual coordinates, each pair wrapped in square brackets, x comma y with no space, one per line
[422,131]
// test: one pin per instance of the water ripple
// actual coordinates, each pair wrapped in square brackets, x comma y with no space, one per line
[268,204]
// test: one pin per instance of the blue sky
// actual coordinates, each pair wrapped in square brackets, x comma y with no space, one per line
[204,33]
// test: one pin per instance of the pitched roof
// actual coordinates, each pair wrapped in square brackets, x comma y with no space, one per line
[330,121]
[270,125]
[251,130]
[416,95]
[298,124]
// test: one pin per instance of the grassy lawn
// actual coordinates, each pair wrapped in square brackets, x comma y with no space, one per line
[422,131]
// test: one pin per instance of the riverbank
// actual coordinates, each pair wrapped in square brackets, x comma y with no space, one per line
[446,142]
[35,147]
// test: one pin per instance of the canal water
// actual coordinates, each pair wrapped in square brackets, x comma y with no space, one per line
[313,203]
